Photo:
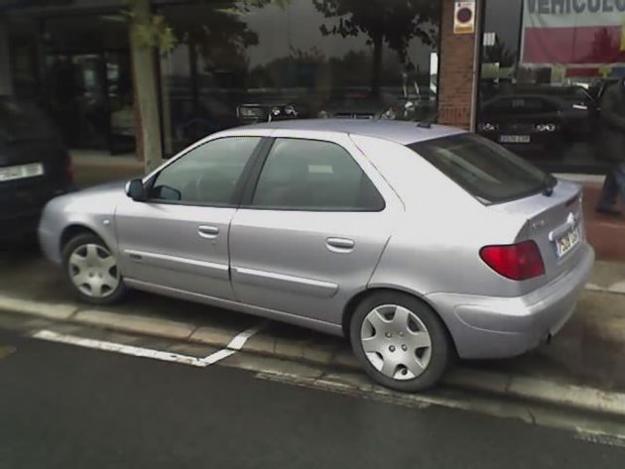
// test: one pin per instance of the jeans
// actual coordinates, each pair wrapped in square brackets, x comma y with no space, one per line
[613,186]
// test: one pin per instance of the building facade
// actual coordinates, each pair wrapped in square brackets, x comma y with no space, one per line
[529,74]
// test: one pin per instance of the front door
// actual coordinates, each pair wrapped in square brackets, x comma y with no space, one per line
[178,239]
[311,234]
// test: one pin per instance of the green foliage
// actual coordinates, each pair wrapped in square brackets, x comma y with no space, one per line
[395,22]
[153,30]
[150,30]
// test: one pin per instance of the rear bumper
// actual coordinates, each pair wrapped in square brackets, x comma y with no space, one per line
[496,327]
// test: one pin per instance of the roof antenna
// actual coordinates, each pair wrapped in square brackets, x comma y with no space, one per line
[424,125]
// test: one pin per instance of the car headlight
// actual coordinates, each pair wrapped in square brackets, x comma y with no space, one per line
[289,110]
[323,114]
[546,127]
[275,111]
[487,127]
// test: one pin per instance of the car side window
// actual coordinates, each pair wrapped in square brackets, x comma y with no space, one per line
[207,175]
[314,175]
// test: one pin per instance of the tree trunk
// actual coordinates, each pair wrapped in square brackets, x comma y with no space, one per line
[148,131]
[376,72]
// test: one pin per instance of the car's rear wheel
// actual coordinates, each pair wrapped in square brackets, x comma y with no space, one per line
[92,271]
[400,341]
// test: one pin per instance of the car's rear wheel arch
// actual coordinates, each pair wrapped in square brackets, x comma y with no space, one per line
[353,303]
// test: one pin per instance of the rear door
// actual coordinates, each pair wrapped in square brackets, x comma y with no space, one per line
[178,238]
[313,230]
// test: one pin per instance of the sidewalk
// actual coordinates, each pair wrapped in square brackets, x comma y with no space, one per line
[583,364]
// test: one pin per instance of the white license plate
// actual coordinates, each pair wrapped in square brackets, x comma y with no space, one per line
[567,242]
[515,139]
[22,171]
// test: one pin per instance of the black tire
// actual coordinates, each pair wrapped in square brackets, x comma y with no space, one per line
[441,354]
[75,243]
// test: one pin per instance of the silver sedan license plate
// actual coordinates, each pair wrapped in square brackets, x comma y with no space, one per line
[22,171]
[515,139]
[567,242]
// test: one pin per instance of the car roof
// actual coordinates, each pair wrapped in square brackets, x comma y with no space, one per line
[401,132]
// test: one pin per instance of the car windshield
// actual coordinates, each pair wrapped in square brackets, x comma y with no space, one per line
[484,169]
[22,121]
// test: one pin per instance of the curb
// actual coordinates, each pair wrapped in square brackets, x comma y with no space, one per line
[513,386]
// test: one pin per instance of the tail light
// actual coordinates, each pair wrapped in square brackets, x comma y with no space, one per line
[520,261]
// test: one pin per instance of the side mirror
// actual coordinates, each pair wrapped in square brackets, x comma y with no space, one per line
[136,191]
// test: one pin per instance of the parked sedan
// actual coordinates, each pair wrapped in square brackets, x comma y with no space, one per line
[418,243]
[34,167]
[533,124]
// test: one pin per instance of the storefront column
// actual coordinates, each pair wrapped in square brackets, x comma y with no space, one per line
[6,83]
[458,72]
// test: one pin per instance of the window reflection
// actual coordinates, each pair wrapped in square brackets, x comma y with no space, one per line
[545,67]
[244,62]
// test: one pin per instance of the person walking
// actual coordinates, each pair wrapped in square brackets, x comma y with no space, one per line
[613,147]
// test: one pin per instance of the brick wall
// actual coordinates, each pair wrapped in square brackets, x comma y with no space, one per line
[456,72]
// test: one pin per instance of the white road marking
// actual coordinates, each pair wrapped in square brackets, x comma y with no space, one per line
[235,345]
[118,348]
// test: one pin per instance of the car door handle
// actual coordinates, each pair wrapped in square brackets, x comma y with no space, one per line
[207,231]
[340,244]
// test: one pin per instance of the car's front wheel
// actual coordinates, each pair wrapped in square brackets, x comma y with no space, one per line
[92,271]
[400,341]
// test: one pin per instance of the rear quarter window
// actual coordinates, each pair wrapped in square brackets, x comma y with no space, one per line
[484,169]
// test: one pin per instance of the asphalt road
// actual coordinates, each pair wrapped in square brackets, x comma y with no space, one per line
[68,407]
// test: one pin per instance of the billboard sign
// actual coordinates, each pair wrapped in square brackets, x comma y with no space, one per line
[579,33]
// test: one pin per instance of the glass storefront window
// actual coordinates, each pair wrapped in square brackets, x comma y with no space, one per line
[88,80]
[545,67]
[245,62]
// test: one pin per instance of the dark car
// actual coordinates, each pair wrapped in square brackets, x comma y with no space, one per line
[532,123]
[598,87]
[405,104]
[266,109]
[34,167]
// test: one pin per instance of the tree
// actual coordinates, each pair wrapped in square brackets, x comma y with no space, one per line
[150,33]
[394,22]
[147,32]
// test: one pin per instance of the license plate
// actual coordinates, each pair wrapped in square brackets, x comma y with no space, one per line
[515,139]
[567,242]
[23,171]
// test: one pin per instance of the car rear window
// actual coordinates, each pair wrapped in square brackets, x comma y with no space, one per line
[486,170]
[20,120]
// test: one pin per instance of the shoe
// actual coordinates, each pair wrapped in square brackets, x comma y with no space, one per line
[613,212]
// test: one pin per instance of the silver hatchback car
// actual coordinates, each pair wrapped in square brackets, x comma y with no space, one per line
[419,243]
